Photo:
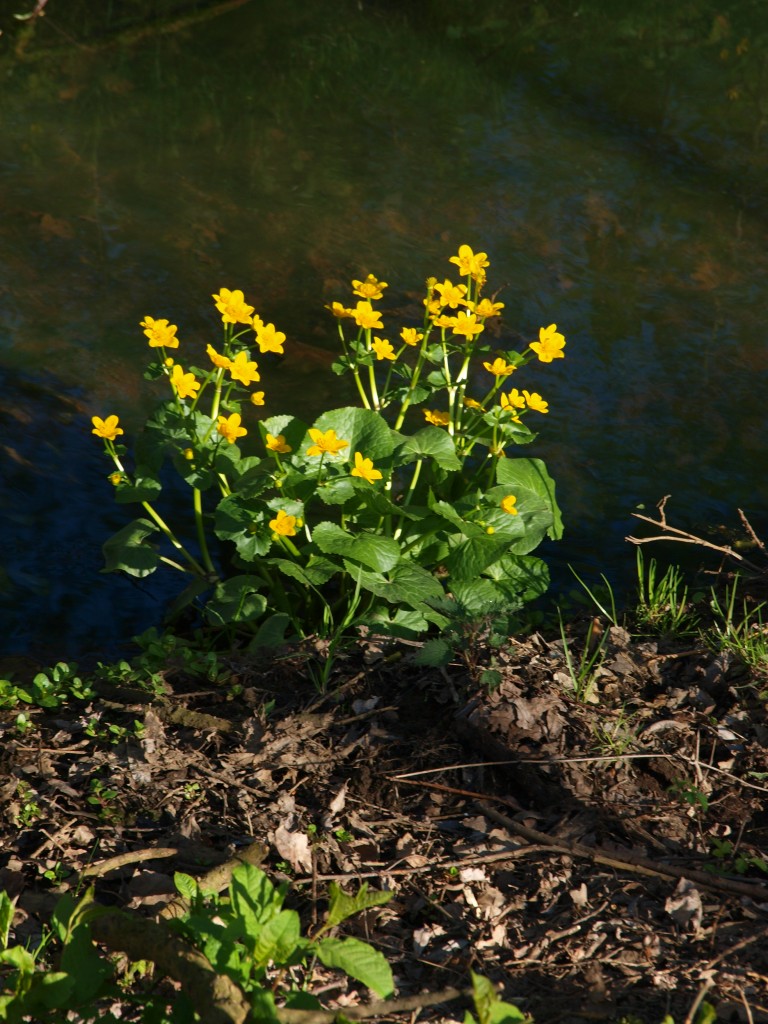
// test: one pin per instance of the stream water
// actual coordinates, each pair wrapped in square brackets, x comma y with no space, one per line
[271,149]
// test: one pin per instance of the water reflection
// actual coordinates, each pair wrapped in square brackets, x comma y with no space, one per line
[267,150]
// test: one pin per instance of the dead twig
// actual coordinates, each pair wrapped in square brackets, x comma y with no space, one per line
[684,537]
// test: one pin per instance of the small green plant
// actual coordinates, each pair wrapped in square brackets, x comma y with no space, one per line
[583,673]
[616,736]
[663,607]
[728,859]
[103,796]
[602,597]
[689,793]
[49,689]
[374,513]
[740,628]
[29,809]
[112,733]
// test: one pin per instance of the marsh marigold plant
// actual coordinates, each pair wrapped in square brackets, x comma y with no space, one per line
[396,513]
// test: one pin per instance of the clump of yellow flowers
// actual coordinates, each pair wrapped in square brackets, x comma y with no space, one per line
[375,514]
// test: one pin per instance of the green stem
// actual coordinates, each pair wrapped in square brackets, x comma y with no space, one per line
[199,525]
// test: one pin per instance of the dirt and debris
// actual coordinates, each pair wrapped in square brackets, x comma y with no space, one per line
[602,858]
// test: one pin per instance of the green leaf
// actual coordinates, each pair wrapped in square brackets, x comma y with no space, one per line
[81,960]
[342,905]
[371,549]
[236,600]
[360,961]
[293,430]
[434,653]
[489,1007]
[435,443]
[447,511]
[472,556]
[271,633]
[144,488]
[278,939]
[315,573]
[254,899]
[19,958]
[526,576]
[407,583]
[534,488]
[6,917]
[366,431]
[186,886]
[127,551]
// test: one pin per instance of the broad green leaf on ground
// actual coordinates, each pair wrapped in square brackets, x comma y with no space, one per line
[342,905]
[360,961]
[489,1007]
[254,899]
[277,939]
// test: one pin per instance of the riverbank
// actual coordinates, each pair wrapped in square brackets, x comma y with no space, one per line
[591,839]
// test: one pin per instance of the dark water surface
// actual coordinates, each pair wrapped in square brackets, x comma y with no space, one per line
[278,150]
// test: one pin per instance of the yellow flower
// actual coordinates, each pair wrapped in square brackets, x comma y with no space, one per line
[217,359]
[451,294]
[256,322]
[466,324]
[383,349]
[433,306]
[243,369]
[283,524]
[269,339]
[411,336]
[500,368]
[229,427]
[439,419]
[257,398]
[325,442]
[233,307]
[550,344]
[277,444]
[508,504]
[108,428]
[161,334]
[366,316]
[444,320]
[370,288]
[470,263]
[115,479]
[364,469]
[534,401]
[486,308]
[168,362]
[514,400]
[340,311]
[185,384]
[470,403]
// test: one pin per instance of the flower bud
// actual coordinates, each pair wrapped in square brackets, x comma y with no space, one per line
[490,531]
[189,454]
[115,479]
[168,362]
